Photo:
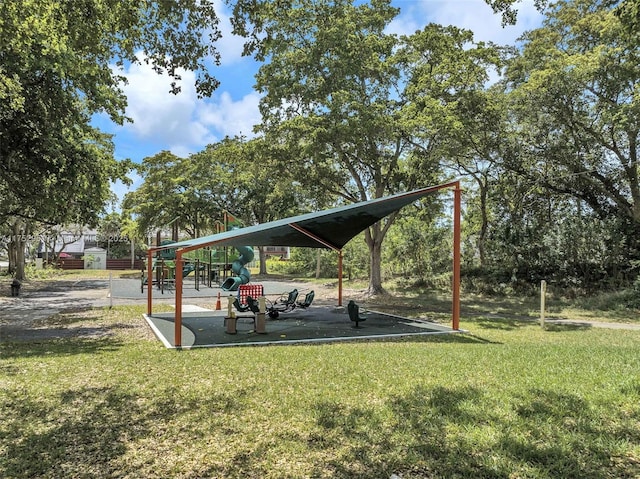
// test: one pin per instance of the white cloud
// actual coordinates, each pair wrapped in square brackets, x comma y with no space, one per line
[159,115]
[119,189]
[232,117]
[182,123]
[474,15]
[410,19]
[230,46]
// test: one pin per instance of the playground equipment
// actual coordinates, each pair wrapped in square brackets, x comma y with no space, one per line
[252,305]
[243,275]
[354,313]
[288,302]
[255,310]
[207,265]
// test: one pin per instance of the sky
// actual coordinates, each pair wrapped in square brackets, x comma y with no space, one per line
[184,124]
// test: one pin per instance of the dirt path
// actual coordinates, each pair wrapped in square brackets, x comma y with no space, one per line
[25,316]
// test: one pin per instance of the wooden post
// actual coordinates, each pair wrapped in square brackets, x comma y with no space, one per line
[455,315]
[230,319]
[261,316]
[543,300]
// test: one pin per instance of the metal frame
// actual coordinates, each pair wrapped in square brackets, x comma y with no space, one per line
[455,313]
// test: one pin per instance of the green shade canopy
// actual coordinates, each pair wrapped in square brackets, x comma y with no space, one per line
[332,228]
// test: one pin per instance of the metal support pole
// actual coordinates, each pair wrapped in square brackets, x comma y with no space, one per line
[340,256]
[149,281]
[543,300]
[455,315]
[178,316]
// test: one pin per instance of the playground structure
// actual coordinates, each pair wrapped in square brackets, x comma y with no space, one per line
[331,229]
[243,275]
[208,266]
[251,303]
[288,302]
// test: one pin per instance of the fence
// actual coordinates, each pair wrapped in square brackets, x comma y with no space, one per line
[115,264]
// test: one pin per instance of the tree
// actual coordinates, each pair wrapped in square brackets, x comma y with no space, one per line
[253,181]
[56,61]
[364,107]
[56,71]
[180,191]
[574,96]
[327,86]
[451,113]
[627,10]
[629,13]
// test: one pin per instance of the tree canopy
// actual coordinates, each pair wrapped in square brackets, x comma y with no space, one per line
[59,65]
[574,89]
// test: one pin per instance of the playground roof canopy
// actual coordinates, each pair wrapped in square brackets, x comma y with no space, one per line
[325,229]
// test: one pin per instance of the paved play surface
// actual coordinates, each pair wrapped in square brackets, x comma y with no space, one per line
[206,328]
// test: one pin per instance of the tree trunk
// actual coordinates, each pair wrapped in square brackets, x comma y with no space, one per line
[263,260]
[484,226]
[11,252]
[16,248]
[375,276]
[373,238]
[318,263]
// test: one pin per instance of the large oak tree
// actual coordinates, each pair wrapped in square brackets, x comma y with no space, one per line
[369,111]
[57,60]
[574,92]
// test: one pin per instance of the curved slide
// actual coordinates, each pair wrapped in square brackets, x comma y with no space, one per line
[243,274]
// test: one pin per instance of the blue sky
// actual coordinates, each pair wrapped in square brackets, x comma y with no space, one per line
[185,124]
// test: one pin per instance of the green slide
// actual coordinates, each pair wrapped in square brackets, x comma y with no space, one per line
[242,274]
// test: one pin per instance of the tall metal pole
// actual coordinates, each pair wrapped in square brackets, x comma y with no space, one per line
[455,315]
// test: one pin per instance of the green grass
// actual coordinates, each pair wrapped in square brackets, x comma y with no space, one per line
[506,401]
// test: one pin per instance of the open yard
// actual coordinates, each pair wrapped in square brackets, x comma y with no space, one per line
[507,400]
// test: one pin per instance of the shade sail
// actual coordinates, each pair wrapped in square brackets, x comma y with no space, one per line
[325,229]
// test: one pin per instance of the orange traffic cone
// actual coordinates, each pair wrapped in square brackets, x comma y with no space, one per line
[218,305]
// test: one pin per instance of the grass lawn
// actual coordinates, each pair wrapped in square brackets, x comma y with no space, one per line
[506,401]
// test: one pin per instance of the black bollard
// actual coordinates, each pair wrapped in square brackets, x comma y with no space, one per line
[15,288]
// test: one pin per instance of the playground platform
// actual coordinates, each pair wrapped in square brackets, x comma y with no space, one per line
[203,328]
